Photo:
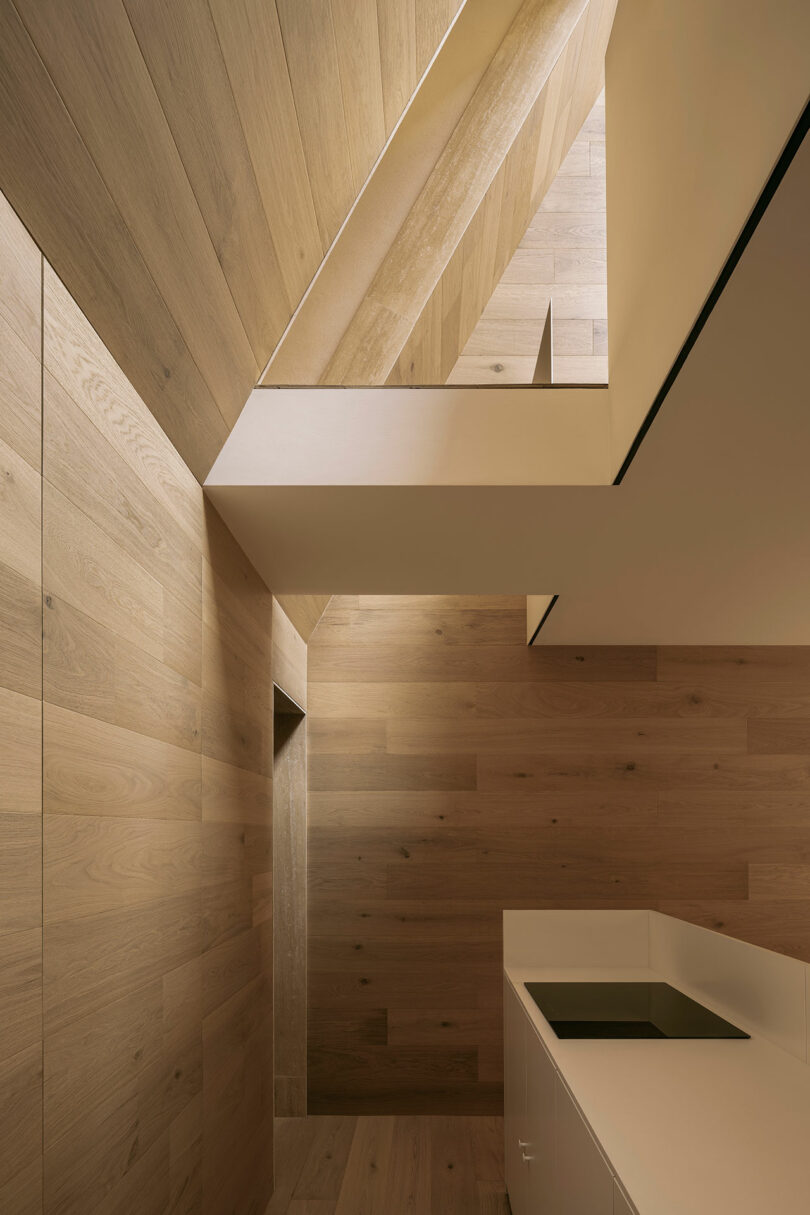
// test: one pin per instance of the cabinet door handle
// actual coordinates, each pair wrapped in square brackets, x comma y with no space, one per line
[526,1158]
[522,1143]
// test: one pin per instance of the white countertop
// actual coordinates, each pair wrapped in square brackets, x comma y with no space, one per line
[690,1127]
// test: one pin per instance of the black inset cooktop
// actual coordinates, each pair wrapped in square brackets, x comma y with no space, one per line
[626,1010]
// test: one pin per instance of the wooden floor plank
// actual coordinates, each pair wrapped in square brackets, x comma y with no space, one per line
[391,1165]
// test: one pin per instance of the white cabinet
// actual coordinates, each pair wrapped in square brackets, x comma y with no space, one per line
[553,1164]
[541,1082]
[583,1181]
[515,1123]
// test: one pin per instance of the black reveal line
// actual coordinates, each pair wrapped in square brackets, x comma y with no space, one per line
[760,207]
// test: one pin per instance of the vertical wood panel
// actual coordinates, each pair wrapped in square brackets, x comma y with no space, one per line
[93,57]
[455,772]
[180,47]
[290,914]
[158,1082]
[358,53]
[237,965]
[311,50]
[20,719]
[396,23]
[250,37]
[51,180]
[535,93]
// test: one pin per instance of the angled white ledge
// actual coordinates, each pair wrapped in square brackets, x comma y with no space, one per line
[418,437]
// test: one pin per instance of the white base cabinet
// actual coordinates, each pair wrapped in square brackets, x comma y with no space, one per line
[553,1163]
[515,1121]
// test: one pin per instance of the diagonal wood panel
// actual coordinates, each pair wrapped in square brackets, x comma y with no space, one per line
[92,55]
[54,185]
[498,162]
[179,44]
[185,167]
[442,328]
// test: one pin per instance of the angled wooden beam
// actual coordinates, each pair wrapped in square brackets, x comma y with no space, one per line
[475,193]
[410,155]
[485,246]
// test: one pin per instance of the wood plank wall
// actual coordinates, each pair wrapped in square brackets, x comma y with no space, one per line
[290,914]
[147,994]
[438,330]
[290,864]
[185,167]
[20,719]
[454,772]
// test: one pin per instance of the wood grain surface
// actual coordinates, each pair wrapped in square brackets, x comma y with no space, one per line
[185,168]
[399,1165]
[289,911]
[136,966]
[20,718]
[455,772]
[491,224]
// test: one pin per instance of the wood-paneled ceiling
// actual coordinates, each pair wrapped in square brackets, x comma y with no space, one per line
[185,166]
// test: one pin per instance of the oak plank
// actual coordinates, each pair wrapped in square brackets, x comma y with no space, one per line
[20,989]
[95,960]
[357,41]
[20,395]
[20,872]
[311,50]
[346,736]
[396,23]
[92,671]
[20,633]
[779,737]
[251,41]
[95,474]
[95,768]
[289,905]
[769,882]
[20,753]
[563,735]
[45,158]
[21,1121]
[78,360]
[94,865]
[180,46]
[235,795]
[445,771]
[93,58]
[343,663]
[329,701]
[20,281]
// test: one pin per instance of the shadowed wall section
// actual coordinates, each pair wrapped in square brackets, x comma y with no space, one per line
[454,772]
[136,924]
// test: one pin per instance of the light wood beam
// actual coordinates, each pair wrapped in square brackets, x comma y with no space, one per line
[348,271]
[465,284]
[511,138]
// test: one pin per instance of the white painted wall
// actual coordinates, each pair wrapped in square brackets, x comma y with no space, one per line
[701,97]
